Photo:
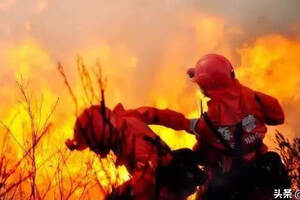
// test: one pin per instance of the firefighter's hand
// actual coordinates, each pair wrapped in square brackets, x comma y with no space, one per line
[191,72]
[70,144]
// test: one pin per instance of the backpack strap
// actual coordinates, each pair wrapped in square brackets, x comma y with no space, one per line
[216,132]
[238,150]
[238,138]
[158,142]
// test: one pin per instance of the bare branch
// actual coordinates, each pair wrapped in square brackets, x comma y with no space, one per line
[63,74]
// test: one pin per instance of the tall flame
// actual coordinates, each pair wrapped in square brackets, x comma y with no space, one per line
[269,64]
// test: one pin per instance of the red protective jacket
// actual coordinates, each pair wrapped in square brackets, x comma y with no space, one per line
[144,154]
[228,107]
[134,123]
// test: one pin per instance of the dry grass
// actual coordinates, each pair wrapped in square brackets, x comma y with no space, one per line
[290,154]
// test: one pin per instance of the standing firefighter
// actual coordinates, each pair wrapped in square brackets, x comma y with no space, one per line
[230,134]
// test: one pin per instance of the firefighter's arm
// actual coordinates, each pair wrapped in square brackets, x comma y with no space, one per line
[272,110]
[176,120]
[166,117]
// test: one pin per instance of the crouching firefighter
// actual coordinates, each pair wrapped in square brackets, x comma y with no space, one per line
[230,134]
[156,171]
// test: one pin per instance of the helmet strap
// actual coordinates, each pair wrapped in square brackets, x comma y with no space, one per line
[232,74]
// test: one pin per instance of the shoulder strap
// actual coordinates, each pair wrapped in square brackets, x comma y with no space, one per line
[158,142]
[257,98]
[216,132]
[238,139]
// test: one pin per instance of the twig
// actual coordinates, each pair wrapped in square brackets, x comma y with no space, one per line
[63,74]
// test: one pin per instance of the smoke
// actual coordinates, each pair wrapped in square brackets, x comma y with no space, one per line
[256,17]
[146,27]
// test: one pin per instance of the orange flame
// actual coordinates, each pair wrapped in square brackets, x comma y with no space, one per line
[270,64]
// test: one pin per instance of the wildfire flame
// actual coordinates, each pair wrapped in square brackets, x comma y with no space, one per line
[269,63]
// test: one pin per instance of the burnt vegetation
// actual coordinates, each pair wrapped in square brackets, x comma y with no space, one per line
[290,154]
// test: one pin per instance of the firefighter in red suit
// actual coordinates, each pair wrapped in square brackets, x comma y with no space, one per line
[231,106]
[232,130]
[136,146]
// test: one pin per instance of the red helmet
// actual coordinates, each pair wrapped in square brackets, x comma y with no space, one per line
[212,71]
[93,131]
